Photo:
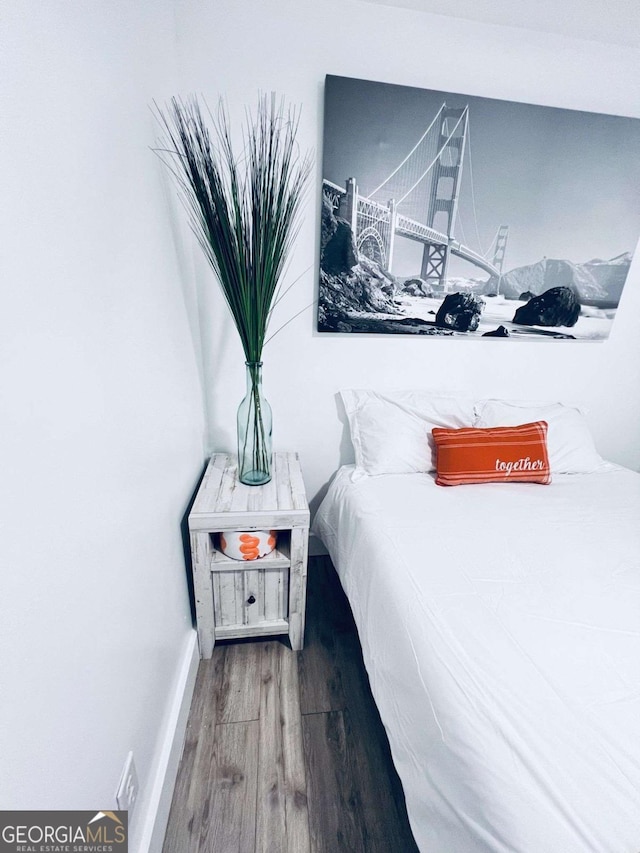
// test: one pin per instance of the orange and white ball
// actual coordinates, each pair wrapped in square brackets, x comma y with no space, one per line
[247,544]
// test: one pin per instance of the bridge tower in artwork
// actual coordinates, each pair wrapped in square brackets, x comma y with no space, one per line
[418,201]
[445,192]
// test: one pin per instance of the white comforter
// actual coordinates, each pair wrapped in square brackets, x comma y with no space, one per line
[500,627]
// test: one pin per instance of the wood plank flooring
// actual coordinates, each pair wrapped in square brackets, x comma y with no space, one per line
[285,751]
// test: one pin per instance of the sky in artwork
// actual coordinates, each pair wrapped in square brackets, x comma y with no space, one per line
[567,183]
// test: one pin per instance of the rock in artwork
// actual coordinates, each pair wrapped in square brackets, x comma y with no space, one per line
[450,215]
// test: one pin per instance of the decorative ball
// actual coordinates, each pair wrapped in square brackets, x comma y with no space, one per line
[247,544]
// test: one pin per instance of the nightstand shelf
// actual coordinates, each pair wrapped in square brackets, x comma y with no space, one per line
[277,559]
[259,597]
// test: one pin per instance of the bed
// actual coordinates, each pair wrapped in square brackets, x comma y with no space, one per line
[500,628]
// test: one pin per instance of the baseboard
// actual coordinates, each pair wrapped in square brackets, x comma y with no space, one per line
[316,547]
[155,825]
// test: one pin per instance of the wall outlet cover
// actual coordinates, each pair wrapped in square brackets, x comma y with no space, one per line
[127,792]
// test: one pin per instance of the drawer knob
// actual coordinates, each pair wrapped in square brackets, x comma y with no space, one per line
[251,599]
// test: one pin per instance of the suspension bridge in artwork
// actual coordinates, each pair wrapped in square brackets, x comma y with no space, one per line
[419,200]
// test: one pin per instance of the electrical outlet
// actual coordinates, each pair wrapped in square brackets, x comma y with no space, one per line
[127,792]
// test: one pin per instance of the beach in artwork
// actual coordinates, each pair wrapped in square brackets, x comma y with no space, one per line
[593,324]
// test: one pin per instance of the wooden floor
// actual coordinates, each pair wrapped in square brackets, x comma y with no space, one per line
[285,750]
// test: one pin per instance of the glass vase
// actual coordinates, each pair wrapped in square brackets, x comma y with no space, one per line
[254,431]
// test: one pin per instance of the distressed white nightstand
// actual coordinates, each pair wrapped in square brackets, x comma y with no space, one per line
[258,597]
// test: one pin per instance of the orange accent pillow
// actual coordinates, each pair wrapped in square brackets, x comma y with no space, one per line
[516,454]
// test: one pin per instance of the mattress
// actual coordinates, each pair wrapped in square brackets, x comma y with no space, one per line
[500,628]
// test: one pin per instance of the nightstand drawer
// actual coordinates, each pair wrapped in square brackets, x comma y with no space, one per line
[246,601]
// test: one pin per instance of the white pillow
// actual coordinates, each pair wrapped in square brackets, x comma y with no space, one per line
[569,442]
[391,430]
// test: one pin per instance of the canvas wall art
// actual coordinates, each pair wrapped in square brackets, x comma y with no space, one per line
[446,214]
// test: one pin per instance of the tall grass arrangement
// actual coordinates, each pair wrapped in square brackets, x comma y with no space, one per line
[245,213]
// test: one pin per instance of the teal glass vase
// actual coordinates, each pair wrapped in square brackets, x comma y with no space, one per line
[254,431]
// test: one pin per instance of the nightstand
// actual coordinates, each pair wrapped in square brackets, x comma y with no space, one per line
[252,598]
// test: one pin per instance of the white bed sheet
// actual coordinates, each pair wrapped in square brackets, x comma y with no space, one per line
[500,627]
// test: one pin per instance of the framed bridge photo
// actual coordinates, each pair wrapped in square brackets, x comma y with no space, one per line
[447,214]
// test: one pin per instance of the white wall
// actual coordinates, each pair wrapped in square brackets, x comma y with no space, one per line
[102,417]
[288,46]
